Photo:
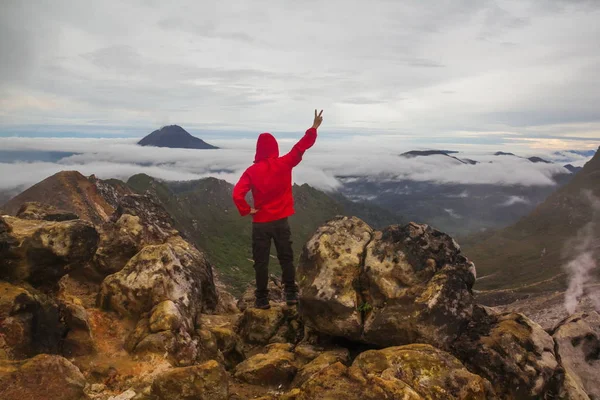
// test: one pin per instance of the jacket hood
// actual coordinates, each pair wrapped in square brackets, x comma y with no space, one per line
[266,147]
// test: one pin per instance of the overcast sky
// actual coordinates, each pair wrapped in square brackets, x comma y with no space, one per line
[474,70]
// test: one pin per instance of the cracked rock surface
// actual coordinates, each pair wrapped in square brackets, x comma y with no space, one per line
[402,285]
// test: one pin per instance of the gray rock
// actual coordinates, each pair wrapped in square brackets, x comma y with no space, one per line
[35,210]
[41,252]
[514,353]
[578,343]
[403,285]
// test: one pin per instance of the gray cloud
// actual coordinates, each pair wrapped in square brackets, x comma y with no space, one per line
[410,67]
[120,57]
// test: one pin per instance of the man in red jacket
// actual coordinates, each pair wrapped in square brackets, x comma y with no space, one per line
[270,180]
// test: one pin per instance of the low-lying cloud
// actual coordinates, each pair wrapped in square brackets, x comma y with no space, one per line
[512,200]
[322,167]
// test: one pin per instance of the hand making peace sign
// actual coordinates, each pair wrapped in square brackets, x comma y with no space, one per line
[318,119]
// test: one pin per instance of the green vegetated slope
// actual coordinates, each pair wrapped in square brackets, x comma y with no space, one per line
[204,211]
[529,255]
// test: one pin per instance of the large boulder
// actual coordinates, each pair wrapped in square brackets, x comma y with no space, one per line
[137,222]
[30,323]
[207,381]
[175,271]
[399,286]
[41,252]
[38,211]
[167,287]
[578,345]
[418,287]
[411,372]
[514,353]
[340,382]
[432,373]
[329,274]
[274,368]
[41,377]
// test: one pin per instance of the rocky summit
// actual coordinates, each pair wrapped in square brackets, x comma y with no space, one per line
[123,307]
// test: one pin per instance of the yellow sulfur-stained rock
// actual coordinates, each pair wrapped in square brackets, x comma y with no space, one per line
[173,271]
[340,382]
[274,368]
[327,276]
[402,285]
[322,361]
[258,326]
[432,373]
[206,381]
[165,317]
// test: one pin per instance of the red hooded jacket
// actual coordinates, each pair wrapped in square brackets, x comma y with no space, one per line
[270,178]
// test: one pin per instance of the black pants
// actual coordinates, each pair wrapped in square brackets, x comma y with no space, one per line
[279,232]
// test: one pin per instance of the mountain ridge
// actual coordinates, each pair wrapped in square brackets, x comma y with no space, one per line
[92,199]
[531,250]
[203,212]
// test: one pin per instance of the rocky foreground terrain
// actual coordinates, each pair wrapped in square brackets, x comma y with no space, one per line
[125,308]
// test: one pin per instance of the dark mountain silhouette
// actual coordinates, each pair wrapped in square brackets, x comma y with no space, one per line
[175,137]
[532,159]
[573,169]
[425,153]
[585,153]
[538,160]
[417,153]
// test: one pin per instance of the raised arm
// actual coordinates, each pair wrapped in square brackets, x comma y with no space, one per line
[294,157]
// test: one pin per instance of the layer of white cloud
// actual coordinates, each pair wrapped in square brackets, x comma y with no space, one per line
[322,165]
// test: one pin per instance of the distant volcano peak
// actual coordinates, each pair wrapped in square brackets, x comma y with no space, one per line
[175,137]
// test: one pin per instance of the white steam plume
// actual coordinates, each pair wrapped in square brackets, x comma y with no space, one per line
[584,253]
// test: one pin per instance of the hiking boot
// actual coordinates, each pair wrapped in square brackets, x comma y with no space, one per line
[262,303]
[291,298]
